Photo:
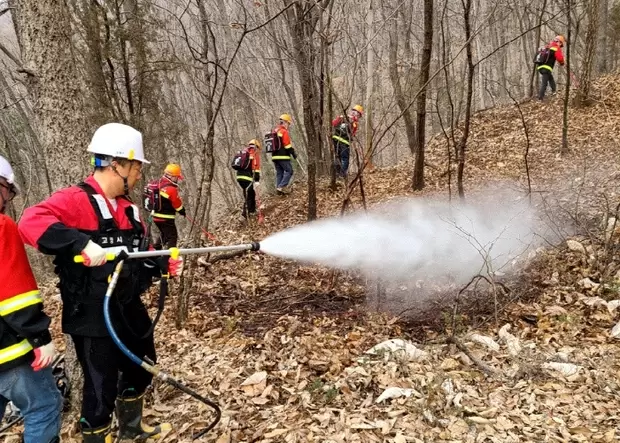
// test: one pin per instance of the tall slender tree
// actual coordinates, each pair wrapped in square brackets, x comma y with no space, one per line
[425,66]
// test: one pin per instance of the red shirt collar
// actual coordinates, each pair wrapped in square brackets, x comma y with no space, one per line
[121,202]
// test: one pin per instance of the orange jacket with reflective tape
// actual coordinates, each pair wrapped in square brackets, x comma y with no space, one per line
[23,324]
[252,174]
[286,147]
[171,202]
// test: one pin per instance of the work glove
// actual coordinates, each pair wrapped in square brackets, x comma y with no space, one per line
[94,255]
[256,185]
[294,154]
[43,356]
[182,212]
[175,267]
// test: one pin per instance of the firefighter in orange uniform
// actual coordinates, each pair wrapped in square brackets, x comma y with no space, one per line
[171,205]
[26,347]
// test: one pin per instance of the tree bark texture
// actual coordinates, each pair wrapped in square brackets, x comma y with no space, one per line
[585,79]
[401,100]
[425,66]
[53,86]
[538,42]
[603,40]
[468,100]
[303,17]
[564,148]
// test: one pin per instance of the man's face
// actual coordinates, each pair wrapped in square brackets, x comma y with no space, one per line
[355,114]
[132,170]
[7,193]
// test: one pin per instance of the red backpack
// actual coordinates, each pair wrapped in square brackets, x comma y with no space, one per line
[542,55]
[272,142]
[242,161]
[152,199]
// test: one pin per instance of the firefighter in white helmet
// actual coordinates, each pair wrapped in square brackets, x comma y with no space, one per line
[94,218]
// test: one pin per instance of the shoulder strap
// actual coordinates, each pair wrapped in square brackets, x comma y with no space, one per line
[106,219]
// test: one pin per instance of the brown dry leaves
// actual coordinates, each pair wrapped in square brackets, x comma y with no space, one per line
[282,347]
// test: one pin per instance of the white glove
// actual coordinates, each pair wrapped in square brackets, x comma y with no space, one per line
[43,356]
[94,255]
[256,185]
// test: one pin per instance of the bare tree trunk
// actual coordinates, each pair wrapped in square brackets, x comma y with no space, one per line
[370,83]
[39,154]
[46,52]
[470,86]
[204,201]
[538,41]
[583,93]
[52,82]
[601,46]
[564,149]
[398,91]
[303,17]
[425,66]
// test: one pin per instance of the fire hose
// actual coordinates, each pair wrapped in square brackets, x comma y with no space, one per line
[145,362]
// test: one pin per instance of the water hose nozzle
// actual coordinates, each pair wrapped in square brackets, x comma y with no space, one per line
[255,246]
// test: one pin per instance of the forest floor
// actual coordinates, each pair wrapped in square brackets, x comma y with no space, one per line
[282,347]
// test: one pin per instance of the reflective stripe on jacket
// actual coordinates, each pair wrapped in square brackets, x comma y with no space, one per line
[23,324]
[61,226]
[252,174]
[171,202]
[284,153]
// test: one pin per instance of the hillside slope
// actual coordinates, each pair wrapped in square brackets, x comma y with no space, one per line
[303,330]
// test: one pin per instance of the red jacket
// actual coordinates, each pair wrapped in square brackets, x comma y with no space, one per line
[253,174]
[344,130]
[557,50]
[54,226]
[171,202]
[555,54]
[61,226]
[286,146]
[354,123]
[23,324]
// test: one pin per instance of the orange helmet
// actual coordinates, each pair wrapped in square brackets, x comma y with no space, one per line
[560,39]
[173,170]
[286,118]
[254,142]
[359,109]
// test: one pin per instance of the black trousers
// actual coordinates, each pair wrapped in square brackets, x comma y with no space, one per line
[546,78]
[249,195]
[168,234]
[108,373]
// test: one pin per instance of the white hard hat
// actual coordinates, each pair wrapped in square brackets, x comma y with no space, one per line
[6,172]
[118,140]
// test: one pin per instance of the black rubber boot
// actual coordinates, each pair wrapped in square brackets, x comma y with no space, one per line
[130,425]
[101,434]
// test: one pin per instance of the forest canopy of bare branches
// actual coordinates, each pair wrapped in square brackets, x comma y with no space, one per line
[200,78]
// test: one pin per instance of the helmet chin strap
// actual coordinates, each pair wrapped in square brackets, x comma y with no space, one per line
[125,182]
